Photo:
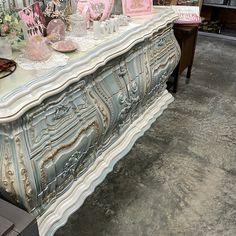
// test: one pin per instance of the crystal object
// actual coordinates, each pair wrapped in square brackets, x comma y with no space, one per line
[79,25]
[5,48]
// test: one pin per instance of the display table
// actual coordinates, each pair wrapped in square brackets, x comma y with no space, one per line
[62,130]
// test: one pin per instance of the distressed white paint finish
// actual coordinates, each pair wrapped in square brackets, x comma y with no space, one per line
[57,215]
[26,89]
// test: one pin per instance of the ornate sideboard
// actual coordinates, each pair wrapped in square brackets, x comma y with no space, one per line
[62,130]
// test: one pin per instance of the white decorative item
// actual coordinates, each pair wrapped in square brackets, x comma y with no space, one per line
[112,25]
[108,27]
[97,30]
[55,60]
[104,29]
[84,43]
[89,42]
[122,19]
[5,48]
[78,25]
[115,24]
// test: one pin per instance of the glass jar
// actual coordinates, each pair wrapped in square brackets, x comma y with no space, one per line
[5,48]
[78,25]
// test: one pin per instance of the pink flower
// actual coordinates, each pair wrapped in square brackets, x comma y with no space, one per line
[5,28]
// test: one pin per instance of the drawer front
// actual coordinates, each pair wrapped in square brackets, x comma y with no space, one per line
[121,89]
[45,125]
[60,134]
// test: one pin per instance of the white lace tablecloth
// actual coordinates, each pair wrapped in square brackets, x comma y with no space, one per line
[56,60]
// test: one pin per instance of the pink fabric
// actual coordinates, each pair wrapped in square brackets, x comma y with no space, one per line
[188,18]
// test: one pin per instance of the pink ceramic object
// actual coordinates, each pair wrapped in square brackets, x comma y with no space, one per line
[37,49]
[96,9]
[65,46]
[137,7]
[56,30]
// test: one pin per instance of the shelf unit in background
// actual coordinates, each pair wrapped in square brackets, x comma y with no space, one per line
[225,14]
[219,6]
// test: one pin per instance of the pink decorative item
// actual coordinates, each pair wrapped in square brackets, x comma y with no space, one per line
[33,19]
[65,46]
[187,14]
[56,30]
[95,9]
[37,49]
[137,7]
[84,8]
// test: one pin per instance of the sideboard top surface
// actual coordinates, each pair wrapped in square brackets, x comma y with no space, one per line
[24,89]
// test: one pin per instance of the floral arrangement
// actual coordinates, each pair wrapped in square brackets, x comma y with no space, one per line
[10,26]
[53,10]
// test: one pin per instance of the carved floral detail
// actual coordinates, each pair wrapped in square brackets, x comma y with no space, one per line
[70,166]
[23,172]
[8,174]
[61,112]
[132,96]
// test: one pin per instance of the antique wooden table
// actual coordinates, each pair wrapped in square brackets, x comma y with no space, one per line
[63,129]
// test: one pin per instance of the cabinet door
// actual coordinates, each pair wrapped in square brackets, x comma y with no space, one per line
[60,134]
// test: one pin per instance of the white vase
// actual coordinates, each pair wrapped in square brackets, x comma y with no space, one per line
[5,48]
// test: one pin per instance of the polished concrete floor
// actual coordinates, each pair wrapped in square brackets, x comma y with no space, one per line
[180,177]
